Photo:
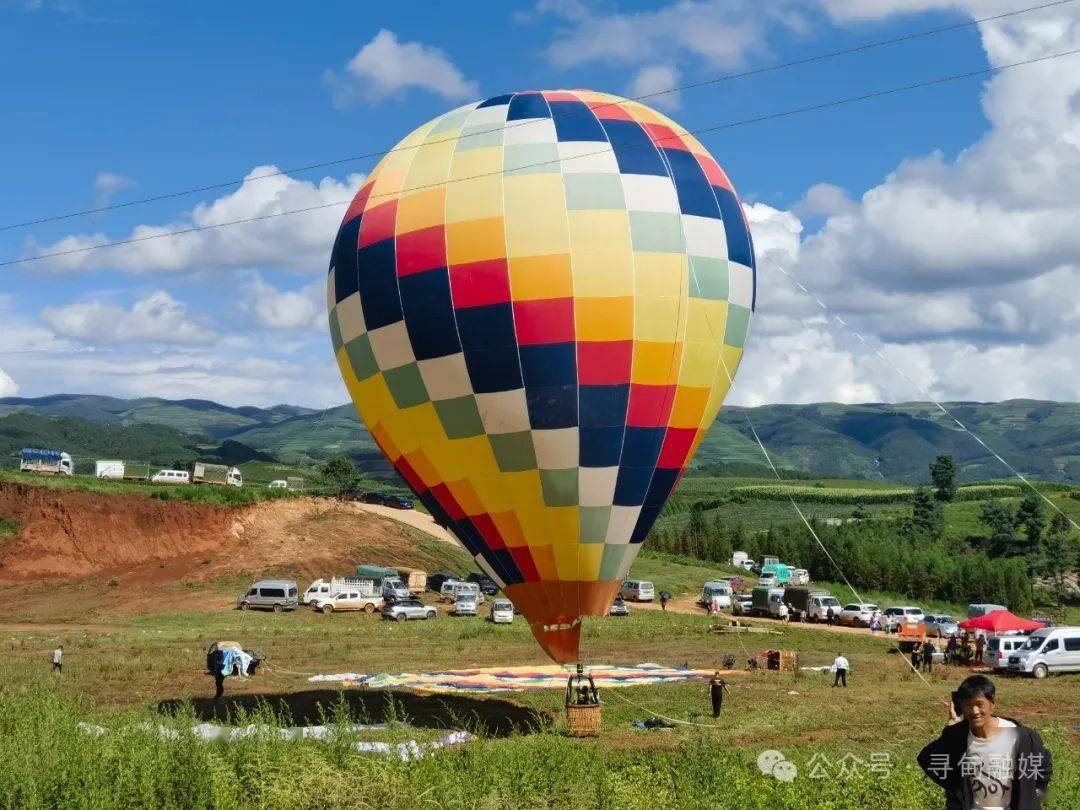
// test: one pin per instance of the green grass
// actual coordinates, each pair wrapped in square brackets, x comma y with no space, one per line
[9,526]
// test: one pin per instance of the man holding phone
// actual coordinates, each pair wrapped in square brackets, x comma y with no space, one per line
[983,761]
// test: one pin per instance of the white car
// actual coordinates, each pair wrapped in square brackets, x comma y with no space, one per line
[768,579]
[799,576]
[894,616]
[348,600]
[743,605]
[171,477]
[857,614]
[999,648]
[465,605]
[502,611]
[279,484]
[718,592]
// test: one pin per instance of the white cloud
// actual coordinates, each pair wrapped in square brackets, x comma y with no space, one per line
[300,241]
[288,310]
[157,318]
[386,67]
[824,199]
[108,184]
[656,79]
[8,388]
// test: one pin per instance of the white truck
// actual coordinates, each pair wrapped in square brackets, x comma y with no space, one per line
[204,473]
[47,462]
[322,588]
[109,469]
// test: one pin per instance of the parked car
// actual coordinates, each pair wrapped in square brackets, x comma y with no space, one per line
[171,477]
[397,502]
[747,565]
[857,614]
[799,576]
[436,580]
[488,586]
[1052,649]
[742,605]
[452,589]
[270,594]
[901,614]
[465,605]
[999,648]
[940,625]
[279,483]
[637,590]
[768,579]
[358,495]
[405,609]
[348,600]
[718,591]
[502,611]
[619,607]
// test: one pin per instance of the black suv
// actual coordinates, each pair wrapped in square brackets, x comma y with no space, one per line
[435,581]
[397,501]
[488,586]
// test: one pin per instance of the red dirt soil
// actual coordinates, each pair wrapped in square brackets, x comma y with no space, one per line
[73,535]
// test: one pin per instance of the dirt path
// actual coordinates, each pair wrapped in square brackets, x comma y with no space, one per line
[411,517]
[688,604]
[31,627]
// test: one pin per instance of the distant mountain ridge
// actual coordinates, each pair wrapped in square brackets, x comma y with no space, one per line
[895,442]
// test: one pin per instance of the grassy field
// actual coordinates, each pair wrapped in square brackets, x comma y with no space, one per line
[119,666]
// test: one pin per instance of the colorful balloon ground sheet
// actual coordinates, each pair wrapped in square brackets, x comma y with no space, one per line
[518,679]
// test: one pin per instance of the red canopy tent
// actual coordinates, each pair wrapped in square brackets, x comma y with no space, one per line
[1000,621]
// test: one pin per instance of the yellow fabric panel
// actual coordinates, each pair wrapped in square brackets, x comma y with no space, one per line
[589,557]
[475,240]
[643,113]
[535,215]
[421,209]
[729,363]
[544,557]
[566,560]
[563,524]
[509,529]
[431,166]
[656,318]
[603,258]
[655,363]
[478,198]
[706,320]
[466,496]
[657,274]
[424,468]
[391,177]
[689,405]
[604,318]
[382,436]
[699,364]
[473,162]
[537,278]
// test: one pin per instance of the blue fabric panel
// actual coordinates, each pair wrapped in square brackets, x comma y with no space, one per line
[429,313]
[377,282]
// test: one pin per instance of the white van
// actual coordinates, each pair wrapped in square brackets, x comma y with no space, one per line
[718,591]
[502,611]
[171,477]
[278,484]
[453,588]
[999,648]
[799,576]
[1052,649]
[637,590]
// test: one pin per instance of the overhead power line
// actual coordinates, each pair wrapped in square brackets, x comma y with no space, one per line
[690,86]
[717,128]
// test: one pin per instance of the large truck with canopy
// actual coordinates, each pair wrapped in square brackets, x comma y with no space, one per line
[810,604]
[219,474]
[766,601]
[46,462]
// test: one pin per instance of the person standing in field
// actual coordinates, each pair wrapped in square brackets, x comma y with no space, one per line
[663,600]
[928,650]
[58,659]
[985,761]
[840,667]
[717,687]
[980,645]
[830,615]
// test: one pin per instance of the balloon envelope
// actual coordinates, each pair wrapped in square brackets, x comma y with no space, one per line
[538,302]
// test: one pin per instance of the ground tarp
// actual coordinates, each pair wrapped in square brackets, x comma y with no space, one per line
[517,679]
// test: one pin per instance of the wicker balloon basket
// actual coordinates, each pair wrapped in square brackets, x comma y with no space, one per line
[583,721]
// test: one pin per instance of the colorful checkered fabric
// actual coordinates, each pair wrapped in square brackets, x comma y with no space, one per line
[537,303]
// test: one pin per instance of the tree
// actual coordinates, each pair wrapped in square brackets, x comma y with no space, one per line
[1031,518]
[1058,556]
[337,474]
[943,474]
[927,520]
[1000,519]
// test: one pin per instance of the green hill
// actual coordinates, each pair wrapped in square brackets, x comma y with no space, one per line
[870,441]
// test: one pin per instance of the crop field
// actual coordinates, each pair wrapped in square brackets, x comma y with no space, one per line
[120,665]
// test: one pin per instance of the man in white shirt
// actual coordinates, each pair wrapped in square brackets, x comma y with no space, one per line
[57,659]
[840,667]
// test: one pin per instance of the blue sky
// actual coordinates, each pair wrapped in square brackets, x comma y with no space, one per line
[116,101]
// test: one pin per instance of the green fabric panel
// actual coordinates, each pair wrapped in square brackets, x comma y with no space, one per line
[656,232]
[560,486]
[451,121]
[479,136]
[590,192]
[460,417]
[335,330]
[513,451]
[406,385]
[611,562]
[738,321]
[711,276]
[362,357]
[593,523]
[530,158]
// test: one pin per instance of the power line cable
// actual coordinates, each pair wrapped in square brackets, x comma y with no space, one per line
[719,127]
[690,86]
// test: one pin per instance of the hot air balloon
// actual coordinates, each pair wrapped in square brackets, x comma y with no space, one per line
[537,303]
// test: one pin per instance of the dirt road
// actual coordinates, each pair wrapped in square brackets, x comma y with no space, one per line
[411,517]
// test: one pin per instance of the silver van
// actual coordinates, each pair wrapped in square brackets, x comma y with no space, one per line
[637,590]
[999,648]
[1052,649]
[270,594]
